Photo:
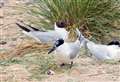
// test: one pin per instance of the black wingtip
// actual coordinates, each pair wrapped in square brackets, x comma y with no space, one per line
[23,27]
[35,29]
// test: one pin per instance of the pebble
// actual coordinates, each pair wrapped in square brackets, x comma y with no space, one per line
[3,42]
[50,72]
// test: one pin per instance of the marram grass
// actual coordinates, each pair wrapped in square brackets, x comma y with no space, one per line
[93,17]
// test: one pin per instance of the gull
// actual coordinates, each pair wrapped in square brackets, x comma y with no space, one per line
[66,52]
[100,51]
[45,37]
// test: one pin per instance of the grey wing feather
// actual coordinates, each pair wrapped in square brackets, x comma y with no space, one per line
[45,37]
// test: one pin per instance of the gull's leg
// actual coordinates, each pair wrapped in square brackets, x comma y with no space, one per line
[71,64]
[61,65]
[90,55]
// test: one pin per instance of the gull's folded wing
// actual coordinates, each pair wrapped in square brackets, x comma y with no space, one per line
[44,37]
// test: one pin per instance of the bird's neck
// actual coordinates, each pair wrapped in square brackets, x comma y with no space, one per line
[85,42]
[77,42]
[63,33]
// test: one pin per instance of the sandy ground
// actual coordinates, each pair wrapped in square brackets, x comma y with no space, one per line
[85,70]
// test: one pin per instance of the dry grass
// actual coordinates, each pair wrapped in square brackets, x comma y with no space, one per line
[35,60]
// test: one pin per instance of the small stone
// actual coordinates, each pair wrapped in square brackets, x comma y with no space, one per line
[3,42]
[50,72]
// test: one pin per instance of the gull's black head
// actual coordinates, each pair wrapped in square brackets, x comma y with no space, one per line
[59,42]
[115,42]
[61,24]
[56,44]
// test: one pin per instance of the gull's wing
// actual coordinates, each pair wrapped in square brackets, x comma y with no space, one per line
[44,37]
